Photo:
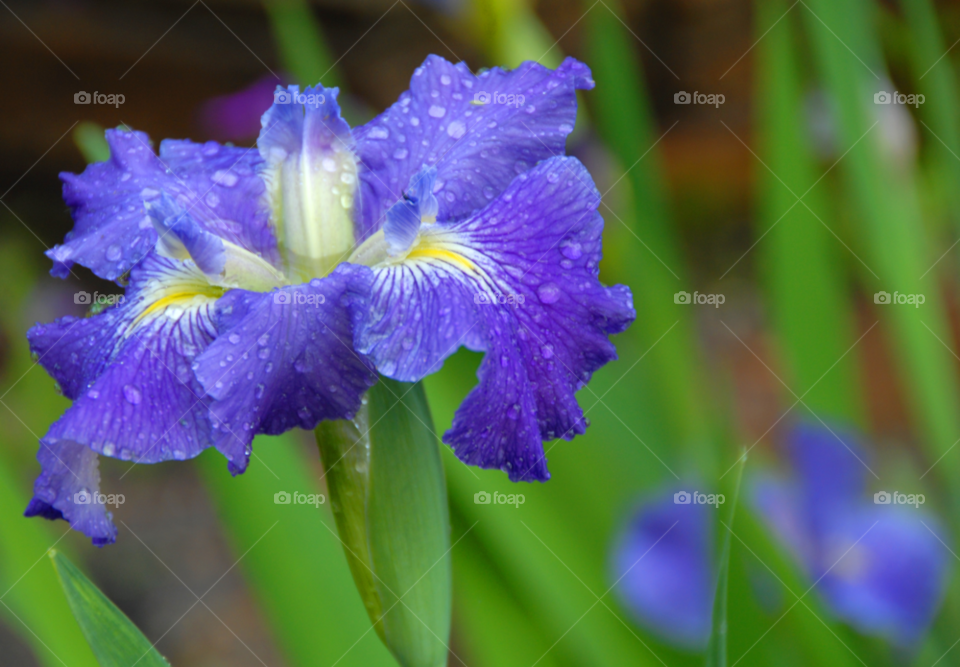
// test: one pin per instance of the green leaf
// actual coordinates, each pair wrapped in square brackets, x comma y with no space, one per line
[389,497]
[115,640]
[302,48]
[88,137]
[717,649]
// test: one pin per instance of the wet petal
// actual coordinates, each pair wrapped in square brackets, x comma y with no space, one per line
[284,359]
[479,131]
[518,281]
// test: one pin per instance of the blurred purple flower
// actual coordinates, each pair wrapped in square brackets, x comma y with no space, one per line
[236,116]
[663,572]
[880,568]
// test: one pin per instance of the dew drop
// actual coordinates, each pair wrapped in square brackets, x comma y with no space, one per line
[225,178]
[436,112]
[113,253]
[547,351]
[445,80]
[456,129]
[379,133]
[233,338]
[264,353]
[400,153]
[132,394]
[572,250]
[548,293]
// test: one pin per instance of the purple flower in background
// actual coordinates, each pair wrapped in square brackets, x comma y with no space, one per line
[236,116]
[662,566]
[879,567]
[266,287]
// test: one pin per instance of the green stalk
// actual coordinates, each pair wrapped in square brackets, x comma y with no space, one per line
[389,497]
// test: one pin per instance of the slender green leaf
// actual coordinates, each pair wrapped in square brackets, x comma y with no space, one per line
[302,47]
[717,650]
[808,295]
[389,497]
[114,638]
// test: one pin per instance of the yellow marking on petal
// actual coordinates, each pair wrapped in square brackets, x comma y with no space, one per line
[434,252]
[179,298]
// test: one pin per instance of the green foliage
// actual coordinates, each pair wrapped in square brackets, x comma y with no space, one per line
[115,640]
[389,496]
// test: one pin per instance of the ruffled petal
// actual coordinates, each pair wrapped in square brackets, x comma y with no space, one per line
[518,281]
[128,369]
[218,185]
[662,570]
[479,130]
[68,488]
[284,359]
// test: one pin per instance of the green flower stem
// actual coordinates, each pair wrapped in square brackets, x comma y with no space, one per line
[389,497]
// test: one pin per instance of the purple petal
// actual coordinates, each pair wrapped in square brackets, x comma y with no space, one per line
[478,148]
[518,281]
[178,231]
[663,573]
[887,572]
[218,185]
[128,369]
[831,467]
[70,475]
[284,359]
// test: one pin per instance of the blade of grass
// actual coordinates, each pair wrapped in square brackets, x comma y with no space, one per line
[656,270]
[807,293]
[114,638]
[717,649]
[303,50]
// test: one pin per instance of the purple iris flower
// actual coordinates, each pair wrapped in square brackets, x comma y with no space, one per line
[662,566]
[879,567]
[267,287]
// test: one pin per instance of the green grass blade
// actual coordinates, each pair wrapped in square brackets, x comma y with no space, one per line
[883,191]
[303,51]
[717,649]
[114,638]
[654,270]
[808,296]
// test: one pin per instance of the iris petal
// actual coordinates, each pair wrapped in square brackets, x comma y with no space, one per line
[218,185]
[284,359]
[518,281]
[479,131]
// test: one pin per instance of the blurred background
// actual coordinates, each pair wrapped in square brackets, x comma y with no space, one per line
[781,191]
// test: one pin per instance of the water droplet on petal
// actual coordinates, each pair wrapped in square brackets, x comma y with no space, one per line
[233,338]
[456,129]
[225,178]
[548,293]
[264,353]
[113,253]
[132,394]
[436,112]
[547,351]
